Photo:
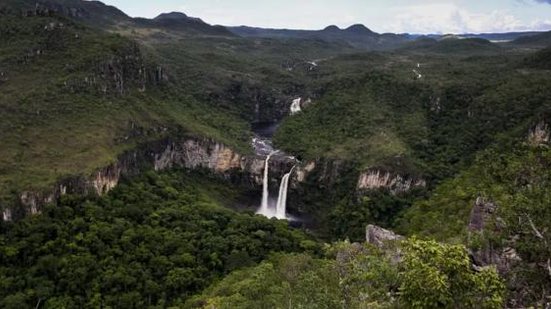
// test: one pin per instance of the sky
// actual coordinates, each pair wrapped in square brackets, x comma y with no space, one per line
[398,16]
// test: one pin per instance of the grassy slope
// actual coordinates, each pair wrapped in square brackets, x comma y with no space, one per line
[54,124]
[57,124]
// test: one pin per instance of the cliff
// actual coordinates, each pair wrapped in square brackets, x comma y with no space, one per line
[396,183]
[186,152]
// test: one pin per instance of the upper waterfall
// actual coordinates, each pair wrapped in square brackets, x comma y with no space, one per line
[295,106]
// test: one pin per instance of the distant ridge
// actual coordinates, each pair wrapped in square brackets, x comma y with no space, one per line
[100,15]
[542,39]
[357,35]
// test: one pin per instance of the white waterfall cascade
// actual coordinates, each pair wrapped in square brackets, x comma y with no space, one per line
[264,207]
[281,207]
[295,106]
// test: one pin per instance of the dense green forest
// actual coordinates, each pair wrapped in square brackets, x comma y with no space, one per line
[152,242]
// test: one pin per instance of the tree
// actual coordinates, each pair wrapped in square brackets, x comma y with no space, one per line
[436,275]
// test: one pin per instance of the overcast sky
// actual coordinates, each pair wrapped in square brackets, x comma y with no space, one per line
[413,16]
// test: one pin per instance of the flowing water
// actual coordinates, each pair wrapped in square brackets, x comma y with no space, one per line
[264,205]
[262,145]
[281,206]
[295,106]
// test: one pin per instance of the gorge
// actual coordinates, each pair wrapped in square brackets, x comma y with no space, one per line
[169,163]
[262,144]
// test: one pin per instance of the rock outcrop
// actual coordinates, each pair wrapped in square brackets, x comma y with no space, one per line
[324,173]
[503,258]
[385,240]
[540,134]
[480,214]
[376,179]
[302,171]
[378,236]
[120,73]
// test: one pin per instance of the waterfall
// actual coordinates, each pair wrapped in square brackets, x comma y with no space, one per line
[295,106]
[281,208]
[264,208]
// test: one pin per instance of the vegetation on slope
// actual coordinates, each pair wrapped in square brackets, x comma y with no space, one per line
[516,178]
[387,119]
[428,275]
[73,99]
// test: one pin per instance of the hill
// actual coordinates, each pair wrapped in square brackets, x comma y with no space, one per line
[75,98]
[357,36]
[452,45]
[539,40]
[97,14]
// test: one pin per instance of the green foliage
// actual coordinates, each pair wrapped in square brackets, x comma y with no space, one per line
[427,275]
[357,280]
[151,242]
[514,177]
[350,216]
[357,120]
[440,276]
[282,281]
[74,98]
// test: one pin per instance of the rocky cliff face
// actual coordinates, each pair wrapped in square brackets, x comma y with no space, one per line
[378,236]
[120,73]
[376,179]
[480,214]
[540,134]
[325,173]
[187,152]
[503,258]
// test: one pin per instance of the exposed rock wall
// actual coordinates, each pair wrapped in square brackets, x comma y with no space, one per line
[480,214]
[378,236]
[187,152]
[540,134]
[503,258]
[120,73]
[376,179]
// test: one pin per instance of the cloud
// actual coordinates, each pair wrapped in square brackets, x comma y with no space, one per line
[544,1]
[450,18]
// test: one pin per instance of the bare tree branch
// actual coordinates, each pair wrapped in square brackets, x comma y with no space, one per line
[536,232]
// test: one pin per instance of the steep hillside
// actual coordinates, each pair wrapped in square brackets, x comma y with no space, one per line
[498,205]
[97,14]
[392,121]
[93,13]
[74,98]
[541,59]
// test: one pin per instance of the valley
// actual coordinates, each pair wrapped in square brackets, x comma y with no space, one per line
[170,163]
